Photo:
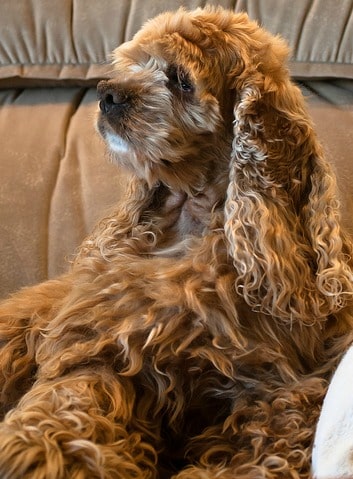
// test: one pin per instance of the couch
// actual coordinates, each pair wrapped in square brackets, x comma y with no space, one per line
[55,179]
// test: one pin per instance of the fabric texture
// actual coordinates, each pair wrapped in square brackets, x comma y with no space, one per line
[55,178]
[70,40]
[55,181]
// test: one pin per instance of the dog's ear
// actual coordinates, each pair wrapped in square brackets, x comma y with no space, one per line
[281,215]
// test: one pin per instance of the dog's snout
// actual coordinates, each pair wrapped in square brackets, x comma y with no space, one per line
[107,104]
[111,99]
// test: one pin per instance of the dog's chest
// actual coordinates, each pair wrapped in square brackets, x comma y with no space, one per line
[178,216]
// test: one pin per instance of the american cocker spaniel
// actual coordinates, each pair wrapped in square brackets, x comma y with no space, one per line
[196,331]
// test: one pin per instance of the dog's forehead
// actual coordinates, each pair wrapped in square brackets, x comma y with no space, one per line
[176,33]
[211,43]
[194,39]
[205,27]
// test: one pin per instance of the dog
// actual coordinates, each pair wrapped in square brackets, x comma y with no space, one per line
[196,331]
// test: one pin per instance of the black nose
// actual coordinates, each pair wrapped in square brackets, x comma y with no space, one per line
[112,100]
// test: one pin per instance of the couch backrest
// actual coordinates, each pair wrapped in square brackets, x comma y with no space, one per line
[70,40]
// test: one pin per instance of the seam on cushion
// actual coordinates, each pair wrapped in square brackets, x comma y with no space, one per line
[76,102]
[105,63]
[324,95]
[316,93]
[72,13]
[298,40]
[127,22]
[15,94]
[344,32]
[310,62]
[315,62]
[75,106]
[48,64]
[80,97]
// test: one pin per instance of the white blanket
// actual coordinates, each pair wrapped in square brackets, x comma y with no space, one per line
[333,445]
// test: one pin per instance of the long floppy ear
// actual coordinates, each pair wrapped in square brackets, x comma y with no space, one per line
[281,215]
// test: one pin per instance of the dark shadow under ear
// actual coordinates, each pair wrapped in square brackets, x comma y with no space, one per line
[282,216]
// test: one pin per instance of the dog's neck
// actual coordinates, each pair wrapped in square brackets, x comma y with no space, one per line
[183,215]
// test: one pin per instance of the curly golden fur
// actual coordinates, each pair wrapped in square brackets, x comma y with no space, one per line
[196,331]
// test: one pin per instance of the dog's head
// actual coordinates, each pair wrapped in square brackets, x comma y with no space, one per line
[205,95]
[167,112]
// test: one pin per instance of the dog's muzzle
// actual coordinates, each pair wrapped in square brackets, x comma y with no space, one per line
[112,100]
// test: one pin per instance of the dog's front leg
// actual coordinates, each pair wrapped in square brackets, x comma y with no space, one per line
[22,318]
[76,426]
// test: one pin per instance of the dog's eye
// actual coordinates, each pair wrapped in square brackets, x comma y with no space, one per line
[185,85]
[178,78]
[184,81]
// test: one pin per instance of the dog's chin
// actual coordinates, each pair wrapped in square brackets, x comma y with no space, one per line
[122,153]
[116,143]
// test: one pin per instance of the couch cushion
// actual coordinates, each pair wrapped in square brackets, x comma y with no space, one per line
[56,180]
[71,40]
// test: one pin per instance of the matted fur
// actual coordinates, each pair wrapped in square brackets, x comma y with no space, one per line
[196,331]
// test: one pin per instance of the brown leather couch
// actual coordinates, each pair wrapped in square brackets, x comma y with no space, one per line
[55,180]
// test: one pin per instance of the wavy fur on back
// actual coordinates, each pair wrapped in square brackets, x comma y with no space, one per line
[195,333]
